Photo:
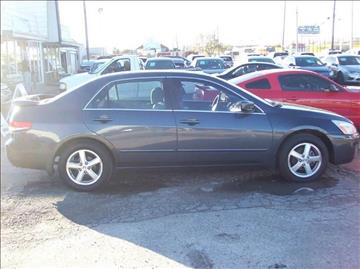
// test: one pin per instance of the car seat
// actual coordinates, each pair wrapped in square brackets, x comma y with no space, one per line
[157,98]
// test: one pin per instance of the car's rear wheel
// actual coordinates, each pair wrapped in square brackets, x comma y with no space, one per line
[85,166]
[302,158]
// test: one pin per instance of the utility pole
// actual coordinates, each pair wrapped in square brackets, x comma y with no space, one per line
[352,24]
[86,32]
[283,33]
[297,31]
[333,26]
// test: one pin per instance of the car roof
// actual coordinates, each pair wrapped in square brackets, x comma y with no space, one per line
[208,58]
[264,73]
[160,59]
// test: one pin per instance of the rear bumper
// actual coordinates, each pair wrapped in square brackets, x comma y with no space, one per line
[344,148]
[26,152]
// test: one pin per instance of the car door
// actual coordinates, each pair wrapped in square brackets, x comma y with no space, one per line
[315,91]
[220,136]
[135,117]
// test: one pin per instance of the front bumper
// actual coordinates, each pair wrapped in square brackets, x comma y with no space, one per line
[344,148]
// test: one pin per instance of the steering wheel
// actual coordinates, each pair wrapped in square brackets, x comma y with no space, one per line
[215,102]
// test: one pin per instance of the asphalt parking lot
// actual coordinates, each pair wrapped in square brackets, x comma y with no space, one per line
[213,218]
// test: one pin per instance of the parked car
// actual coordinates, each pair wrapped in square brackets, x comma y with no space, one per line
[138,119]
[304,88]
[261,59]
[116,64]
[346,68]
[278,54]
[245,69]
[307,53]
[192,57]
[353,52]
[159,63]
[180,62]
[210,65]
[307,63]
[228,60]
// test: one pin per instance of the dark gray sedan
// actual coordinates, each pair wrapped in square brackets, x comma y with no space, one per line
[153,118]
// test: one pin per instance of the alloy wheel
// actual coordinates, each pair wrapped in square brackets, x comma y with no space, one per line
[304,160]
[84,167]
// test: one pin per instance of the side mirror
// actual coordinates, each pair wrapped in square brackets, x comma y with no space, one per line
[292,65]
[243,106]
[334,64]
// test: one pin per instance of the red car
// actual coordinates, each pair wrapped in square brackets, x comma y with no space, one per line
[304,88]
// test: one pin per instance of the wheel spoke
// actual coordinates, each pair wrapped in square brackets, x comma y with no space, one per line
[306,150]
[296,166]
[296,154]
[92,174]
[74,165]
[308,169]
[82,156]
[80,176]
[94,162]
[314,158]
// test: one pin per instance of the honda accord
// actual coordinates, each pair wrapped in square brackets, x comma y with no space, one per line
[160,118]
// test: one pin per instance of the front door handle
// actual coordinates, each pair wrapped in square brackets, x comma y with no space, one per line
[190,122]
[103,119]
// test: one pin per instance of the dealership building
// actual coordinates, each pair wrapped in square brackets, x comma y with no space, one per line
[34,41]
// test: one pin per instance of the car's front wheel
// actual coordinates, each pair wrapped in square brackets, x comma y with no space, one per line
[85,166]
[302,158]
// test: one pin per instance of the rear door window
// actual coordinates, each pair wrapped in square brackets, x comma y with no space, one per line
[258,84]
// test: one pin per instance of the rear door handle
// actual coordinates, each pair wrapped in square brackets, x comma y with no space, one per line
[191,122]
[103,119]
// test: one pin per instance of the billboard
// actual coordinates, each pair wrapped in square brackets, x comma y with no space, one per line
[309,30]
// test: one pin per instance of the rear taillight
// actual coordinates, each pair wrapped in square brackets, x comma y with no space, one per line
[20,125]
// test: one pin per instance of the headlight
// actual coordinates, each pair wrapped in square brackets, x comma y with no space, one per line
[346,127]
[62,86]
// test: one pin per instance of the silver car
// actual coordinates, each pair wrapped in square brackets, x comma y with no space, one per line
[346,68]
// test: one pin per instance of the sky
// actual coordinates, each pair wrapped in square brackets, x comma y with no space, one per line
[127,25]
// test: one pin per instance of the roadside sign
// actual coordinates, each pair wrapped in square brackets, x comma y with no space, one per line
[309,30]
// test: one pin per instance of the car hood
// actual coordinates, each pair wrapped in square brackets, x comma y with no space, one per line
[76,80]
[318,69]
[351,68]
[289,106]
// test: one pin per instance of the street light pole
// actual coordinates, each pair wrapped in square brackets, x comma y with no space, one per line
[283,33]
[333,26]
[86,32]
[352,24]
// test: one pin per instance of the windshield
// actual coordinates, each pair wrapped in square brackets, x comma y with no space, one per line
[349,60]
[308,61]
[95,66]
[210,64]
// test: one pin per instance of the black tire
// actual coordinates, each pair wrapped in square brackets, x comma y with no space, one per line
[292,142]
[340,78]
[103,154]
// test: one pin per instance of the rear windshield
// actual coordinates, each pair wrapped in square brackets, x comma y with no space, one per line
[210,64]
[160,65]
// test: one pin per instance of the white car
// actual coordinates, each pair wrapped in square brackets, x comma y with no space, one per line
[116,64]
